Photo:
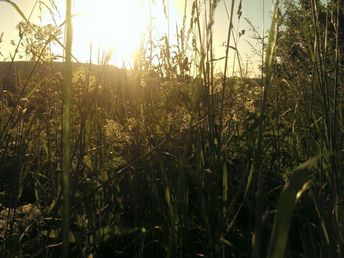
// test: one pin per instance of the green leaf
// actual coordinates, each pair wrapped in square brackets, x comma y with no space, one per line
[52,206]
[103,175]
[224,189]
[50,233]
[88,162]
[297,184]
[168,196]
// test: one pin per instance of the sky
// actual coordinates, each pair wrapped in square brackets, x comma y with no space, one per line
[127,23]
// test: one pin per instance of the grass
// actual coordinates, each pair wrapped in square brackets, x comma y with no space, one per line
[67,128]
[169,158]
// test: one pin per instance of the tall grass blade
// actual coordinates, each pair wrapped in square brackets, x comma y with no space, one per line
[298,183]
[19,11]
[230,27]
[67,108]
[256,164]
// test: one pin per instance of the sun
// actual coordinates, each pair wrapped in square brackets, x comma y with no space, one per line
[110,26]
[119,27]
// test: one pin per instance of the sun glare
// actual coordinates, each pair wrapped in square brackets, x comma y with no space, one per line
[118,27]
[109,25]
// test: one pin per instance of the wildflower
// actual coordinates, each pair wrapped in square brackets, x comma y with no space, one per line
[114,131]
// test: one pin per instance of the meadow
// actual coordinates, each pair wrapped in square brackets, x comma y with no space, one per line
[170,158]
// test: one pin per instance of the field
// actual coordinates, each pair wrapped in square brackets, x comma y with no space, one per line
[170,158]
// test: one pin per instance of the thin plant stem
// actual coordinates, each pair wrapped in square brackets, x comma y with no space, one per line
[256,164]
[230,27]
[67,108]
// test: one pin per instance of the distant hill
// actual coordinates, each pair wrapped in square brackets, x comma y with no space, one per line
[11,74]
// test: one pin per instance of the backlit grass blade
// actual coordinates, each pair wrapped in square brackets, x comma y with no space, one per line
[256,167]
[298,183]
[19,11]
[67,108]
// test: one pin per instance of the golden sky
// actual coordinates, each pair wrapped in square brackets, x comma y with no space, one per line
[118,25]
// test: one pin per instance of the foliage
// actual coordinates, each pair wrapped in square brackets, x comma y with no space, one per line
[166,163]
